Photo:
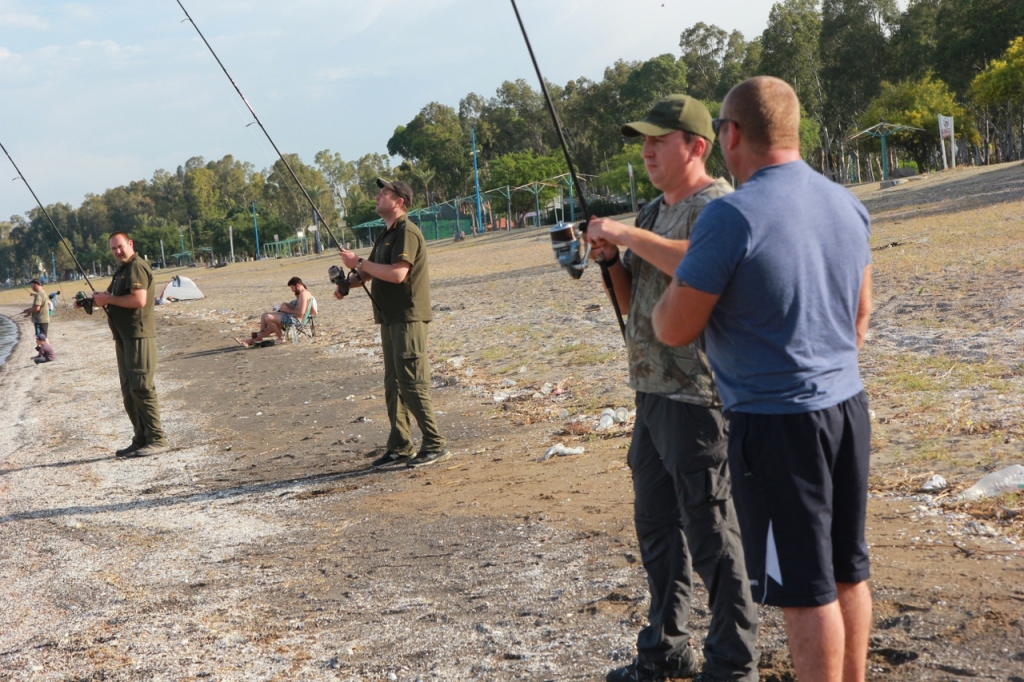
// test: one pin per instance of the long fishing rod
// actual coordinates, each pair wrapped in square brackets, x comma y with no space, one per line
[560,238]
[64,241]
[316,211]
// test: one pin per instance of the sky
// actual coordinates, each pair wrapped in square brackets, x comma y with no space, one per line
[99,93]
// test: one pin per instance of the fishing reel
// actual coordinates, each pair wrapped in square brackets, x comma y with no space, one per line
[571,250]
[84,301]
[340,279]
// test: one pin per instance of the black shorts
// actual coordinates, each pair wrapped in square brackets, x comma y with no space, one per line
[800,486]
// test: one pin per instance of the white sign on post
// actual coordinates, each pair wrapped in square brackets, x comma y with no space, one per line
[946,130]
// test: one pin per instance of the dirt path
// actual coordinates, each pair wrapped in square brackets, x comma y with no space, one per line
[262,547]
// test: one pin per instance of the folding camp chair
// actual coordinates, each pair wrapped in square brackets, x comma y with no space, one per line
[306,326]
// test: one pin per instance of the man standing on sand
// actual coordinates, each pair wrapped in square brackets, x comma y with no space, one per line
[682,507]
[778,278]
[129,305]
[401,288]
[40,308]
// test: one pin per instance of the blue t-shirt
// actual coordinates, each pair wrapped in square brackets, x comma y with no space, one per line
[786,254]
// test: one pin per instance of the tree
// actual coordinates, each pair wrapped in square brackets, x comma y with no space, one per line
[917,103]
[648,82]
[789,50]
[524,168]
[616,175]
[1003,80]
[281,195]
[913,43]
[704,48]
[852,46]
[970,33]
[434,137]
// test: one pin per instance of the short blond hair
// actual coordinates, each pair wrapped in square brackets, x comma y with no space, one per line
[768,111]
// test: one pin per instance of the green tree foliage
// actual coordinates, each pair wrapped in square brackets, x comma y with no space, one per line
[648,82]
[1003,80]
[918,103]
[200,203]
[853,49]
[519,169]
[716,59]
[435,138]
[913,42]
[970,33]
[789,50]
[616,177]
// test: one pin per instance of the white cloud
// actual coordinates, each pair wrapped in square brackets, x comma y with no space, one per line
[108,47]
[23,20]
[343,72]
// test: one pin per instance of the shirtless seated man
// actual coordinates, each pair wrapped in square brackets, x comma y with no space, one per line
[273,324]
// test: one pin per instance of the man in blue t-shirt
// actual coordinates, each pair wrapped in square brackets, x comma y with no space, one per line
[778,278]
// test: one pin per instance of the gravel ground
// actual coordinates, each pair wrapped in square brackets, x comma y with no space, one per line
[263,548]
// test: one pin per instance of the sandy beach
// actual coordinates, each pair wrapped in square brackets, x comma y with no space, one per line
[263,547]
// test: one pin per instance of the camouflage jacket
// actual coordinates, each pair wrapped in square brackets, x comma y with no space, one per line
[680,373]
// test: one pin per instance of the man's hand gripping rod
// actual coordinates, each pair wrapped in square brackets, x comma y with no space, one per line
[564,242]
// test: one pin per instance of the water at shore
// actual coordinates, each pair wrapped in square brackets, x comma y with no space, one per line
[8,337]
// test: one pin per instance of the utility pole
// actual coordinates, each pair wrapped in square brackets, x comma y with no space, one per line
[192,242]
[476,178]
[256,229]
[231,240]
[163,258]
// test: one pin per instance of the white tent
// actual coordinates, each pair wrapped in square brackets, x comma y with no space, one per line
[179,289]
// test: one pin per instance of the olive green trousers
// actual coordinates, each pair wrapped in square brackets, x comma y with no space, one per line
[407,387]
[136,365]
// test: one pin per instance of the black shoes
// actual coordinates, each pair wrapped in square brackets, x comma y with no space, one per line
[684,665]
[423,459]
[134,450]
[128,451]
[389,458]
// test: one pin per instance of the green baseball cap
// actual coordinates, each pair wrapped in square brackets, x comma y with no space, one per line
[675,112]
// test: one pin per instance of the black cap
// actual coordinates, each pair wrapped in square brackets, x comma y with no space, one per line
[398,187]
[36,281]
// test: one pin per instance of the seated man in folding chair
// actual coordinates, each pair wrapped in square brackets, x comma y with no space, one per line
[274,323]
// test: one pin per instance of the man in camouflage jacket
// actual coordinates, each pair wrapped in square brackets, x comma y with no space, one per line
[683,507]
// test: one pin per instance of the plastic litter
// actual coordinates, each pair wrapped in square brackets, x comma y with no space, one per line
[561,449]
[935,483]
[1005,480]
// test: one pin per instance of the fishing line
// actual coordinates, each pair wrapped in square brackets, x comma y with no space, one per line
[21,176]
[256,119]
[605,275]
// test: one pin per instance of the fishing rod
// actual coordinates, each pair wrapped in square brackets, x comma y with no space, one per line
[21,176]
[316,211]
[563,239]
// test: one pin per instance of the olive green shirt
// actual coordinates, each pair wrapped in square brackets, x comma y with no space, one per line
[132,323]
[39,299]
[682,373]
[408,301]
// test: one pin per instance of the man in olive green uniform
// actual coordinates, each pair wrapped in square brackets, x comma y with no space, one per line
[400,278]
[129,304]
[683,511]
[40,309]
